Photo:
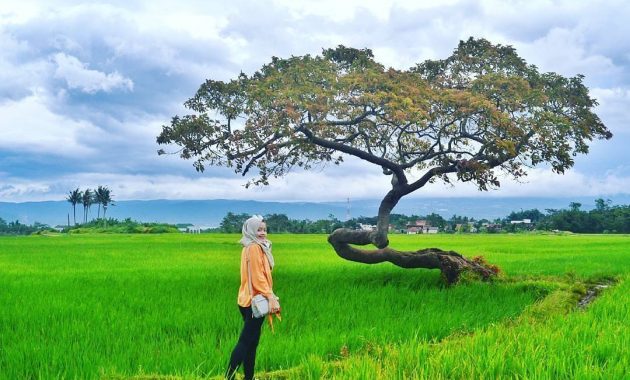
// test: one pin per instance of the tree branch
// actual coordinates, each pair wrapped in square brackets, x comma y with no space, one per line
[428,175]
[354,121]
[396,169]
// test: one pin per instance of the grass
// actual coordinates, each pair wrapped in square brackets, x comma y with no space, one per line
[549,345]
[119,306]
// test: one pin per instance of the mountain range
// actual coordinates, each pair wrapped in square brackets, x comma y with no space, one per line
[209,213]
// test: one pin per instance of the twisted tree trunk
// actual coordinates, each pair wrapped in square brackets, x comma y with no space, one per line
[450,263]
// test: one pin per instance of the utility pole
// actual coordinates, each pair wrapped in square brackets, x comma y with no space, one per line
[348,210]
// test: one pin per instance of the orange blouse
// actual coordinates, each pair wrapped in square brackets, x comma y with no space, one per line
[261,275]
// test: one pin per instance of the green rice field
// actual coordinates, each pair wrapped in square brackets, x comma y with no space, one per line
[164,307]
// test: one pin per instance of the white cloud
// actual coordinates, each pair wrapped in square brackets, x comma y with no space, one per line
[344,10]
[147,56]
[313,186]
[17,75]
[614,104]
[24,190]
[303,186]
[29,125]
[77,75]
[563,51]
[18,11]
[539,183]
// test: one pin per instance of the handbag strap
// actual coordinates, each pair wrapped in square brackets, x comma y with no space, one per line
[249,272]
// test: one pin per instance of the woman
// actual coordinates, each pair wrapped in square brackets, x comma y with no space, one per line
[256,251]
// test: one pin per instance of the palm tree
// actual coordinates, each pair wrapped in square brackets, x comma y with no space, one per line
[87,200]
[103,197]
[106,200]
[98,196]
[75,197]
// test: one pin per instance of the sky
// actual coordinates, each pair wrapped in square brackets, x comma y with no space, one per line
[85,87]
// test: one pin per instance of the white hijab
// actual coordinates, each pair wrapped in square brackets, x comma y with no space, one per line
[250,228]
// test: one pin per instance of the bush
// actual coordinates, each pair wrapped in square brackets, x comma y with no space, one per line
[126,226]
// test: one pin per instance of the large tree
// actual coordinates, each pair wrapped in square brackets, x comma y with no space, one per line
[478,113]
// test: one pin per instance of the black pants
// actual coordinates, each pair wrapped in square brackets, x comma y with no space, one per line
[245,350]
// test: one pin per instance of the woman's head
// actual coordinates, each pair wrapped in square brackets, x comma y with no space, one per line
[255,228]
[255,231]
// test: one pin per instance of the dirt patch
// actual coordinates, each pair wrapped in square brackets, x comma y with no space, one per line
[592,292]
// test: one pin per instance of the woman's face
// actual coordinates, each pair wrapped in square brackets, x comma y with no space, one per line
[261,233]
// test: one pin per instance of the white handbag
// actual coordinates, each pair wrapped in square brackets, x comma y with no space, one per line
[260,306]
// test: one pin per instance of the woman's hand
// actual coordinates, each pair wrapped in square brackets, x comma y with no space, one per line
[274,305]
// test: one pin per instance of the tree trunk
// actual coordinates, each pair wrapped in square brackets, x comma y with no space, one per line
[452,264]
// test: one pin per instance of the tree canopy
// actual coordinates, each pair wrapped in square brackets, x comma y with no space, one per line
[469,117]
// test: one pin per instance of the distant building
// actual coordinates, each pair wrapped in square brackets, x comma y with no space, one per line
[421,226]
[466,227]
[367,227]
[524,221]
[188,228]
[492,227]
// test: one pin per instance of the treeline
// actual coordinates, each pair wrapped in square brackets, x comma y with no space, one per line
[126,226]
[17,228]
[604,218]
[280,223]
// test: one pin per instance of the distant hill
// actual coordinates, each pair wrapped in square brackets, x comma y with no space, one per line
[210,212]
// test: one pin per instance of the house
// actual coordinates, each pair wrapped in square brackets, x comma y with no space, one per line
[492,227]
[421,226]
[189,228]
[524,221]
[472,228]
[367,227]
[466,227]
